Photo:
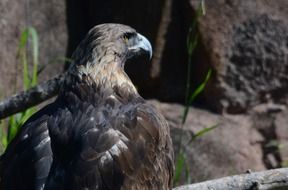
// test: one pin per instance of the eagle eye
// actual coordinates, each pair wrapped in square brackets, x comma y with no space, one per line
[126,36]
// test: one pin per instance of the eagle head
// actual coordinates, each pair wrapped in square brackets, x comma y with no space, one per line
[100,57]
[107,43]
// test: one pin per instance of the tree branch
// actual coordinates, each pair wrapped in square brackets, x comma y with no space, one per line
[31,97]
[276,179]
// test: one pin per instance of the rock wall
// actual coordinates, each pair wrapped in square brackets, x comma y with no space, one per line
[48,17]
[233,147]
[244,42]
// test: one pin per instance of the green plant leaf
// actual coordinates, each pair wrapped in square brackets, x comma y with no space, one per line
[203,8]
[200,88]
[35,54]
[202,132]
[3,136]
[23,58]
[191,44]
[17,120]
[180,163]
[29,32]
[12,129]
[194,94]
[23,40]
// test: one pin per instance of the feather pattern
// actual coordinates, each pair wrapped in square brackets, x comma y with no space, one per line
[99,134]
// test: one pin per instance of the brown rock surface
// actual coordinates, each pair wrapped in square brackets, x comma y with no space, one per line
[281,128]
[232,148]
[270,120]
[49,19]
[246,43]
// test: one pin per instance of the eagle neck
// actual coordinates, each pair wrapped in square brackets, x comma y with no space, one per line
[106,76]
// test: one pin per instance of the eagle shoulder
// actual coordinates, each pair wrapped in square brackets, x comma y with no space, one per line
[110,144]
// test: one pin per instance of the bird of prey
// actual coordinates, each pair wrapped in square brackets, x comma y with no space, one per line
[99,134]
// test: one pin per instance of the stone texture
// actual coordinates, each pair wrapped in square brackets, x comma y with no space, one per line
[264,122]
[49,19]
[232,148]
[246,43]
[281,128]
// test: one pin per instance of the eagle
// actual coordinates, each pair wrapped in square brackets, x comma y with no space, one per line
[99,133]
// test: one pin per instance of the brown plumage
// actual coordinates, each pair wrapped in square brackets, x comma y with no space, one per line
[99,134]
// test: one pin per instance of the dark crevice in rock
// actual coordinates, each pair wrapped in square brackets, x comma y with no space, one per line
[265,124]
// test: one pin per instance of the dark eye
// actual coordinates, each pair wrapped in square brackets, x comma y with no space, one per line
[127,36]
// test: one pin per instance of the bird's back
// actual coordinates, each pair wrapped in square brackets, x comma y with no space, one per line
[105,141]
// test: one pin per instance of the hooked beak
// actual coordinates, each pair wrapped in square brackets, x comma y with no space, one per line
[142,44]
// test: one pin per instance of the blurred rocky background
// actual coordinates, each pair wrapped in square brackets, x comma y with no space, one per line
[243,42]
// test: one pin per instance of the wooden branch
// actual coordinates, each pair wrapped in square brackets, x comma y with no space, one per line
[31,97]
[276,179]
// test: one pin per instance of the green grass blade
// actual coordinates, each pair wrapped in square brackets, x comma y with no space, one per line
[191,44]
[12,129]
[203,8]
[194,95]
[200,88]
[202,132]
[26,80]
[180,164]
[26,115]
[29,32]
[35,54]
[23,57]
[3,136]
[187,173]
[16,121]
[23,40]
